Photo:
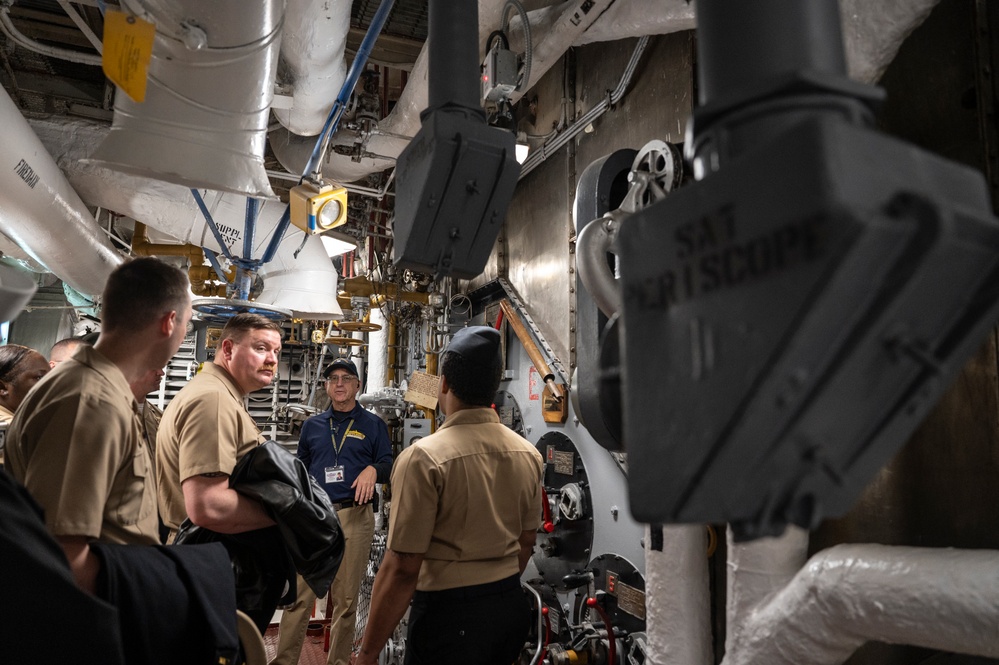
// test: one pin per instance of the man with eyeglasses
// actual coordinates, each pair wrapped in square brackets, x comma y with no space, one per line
[347,450]
[206,429]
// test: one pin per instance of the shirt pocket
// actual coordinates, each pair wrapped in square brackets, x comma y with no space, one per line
[135,491]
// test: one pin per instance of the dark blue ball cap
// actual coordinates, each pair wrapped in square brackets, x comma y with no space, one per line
[478,345]
[340,363]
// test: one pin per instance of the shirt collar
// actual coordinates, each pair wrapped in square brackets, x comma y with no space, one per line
[471,416]
[211,369]
[95,360]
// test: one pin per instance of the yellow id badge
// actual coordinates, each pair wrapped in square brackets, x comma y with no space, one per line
[128,48]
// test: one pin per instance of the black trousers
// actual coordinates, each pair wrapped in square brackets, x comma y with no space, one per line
[485,624]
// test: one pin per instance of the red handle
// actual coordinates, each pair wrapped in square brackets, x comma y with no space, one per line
[547,525]
[612,643]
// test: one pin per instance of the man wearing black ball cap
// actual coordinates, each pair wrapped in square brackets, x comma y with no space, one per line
[465,514]
[346,449]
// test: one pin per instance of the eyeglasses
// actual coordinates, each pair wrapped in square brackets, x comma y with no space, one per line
[337,380]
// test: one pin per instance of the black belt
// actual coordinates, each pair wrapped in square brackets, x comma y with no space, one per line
[469,592]
[346,503]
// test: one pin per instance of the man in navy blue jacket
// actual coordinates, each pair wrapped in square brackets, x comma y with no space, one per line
[347,450]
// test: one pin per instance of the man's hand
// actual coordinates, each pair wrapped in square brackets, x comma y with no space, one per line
[358,659]
[364,485]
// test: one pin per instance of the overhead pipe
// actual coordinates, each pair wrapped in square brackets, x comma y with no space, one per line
[873,32]
[333,119]
[42,213]
[172,210]
[210,85]
[200,275]
[312,61]
[942,599]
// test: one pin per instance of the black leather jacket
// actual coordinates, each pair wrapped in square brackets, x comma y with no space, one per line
[306,539]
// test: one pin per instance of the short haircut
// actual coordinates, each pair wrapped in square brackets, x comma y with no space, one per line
[12,356]
[64,344]
[238,326]
[139,292]
[474,385]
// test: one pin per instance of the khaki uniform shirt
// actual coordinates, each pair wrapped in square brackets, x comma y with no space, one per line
[5,417]
[76,443]
[462,496]
[204,429]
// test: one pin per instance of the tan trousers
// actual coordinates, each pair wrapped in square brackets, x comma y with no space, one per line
[358,524]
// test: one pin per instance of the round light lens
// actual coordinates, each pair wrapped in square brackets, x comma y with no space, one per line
[329,214]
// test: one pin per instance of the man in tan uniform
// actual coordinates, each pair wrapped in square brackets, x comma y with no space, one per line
[206,429]
[77,444]
[64,350]
[465,514]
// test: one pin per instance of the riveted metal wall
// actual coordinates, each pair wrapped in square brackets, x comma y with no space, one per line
[537,242]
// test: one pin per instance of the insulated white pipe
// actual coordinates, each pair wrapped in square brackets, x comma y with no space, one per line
[756,570]
[847,595]
[203,122]
[873,33]
[171,209]
[312,60]
[41,212]
[678,602]
[623,20]
[377,352]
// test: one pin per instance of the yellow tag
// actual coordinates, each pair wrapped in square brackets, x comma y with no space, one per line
[128,47]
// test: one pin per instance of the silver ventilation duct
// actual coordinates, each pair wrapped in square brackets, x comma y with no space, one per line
[210,86]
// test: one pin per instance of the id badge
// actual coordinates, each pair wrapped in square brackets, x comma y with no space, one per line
[334,474]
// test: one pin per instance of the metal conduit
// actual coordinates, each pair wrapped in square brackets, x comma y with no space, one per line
[539,155]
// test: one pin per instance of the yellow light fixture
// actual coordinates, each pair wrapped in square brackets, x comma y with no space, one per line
[318,206]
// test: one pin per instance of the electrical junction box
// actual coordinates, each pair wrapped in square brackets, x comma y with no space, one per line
[499,74]
[413,430]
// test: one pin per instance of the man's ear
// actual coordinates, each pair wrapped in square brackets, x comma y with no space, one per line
[168,322]
[445,388]
[226,348]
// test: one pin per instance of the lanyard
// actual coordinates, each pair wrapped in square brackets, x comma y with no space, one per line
[343,439]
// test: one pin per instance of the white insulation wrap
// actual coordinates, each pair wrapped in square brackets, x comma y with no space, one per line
[678,614]
[211,82]
[377,352]
[41,212]
[849,594]
[757,570]
[315,36]
[873,32]
[171,209]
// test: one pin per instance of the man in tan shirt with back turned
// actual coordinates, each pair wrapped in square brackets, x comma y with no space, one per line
[76,443]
